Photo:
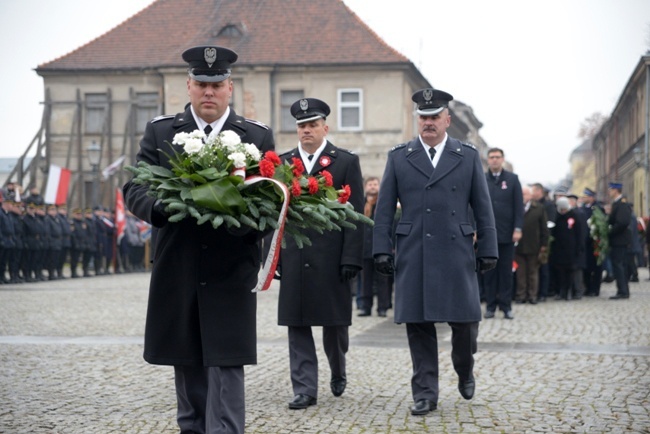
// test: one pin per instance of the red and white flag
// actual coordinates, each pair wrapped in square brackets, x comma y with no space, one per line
[58,181]
[120,216]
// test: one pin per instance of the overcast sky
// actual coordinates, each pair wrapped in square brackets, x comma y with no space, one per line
[531,70]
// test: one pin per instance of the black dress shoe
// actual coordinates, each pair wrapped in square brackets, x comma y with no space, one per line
[364,313]
[532,301]
[423,406]
[618,297]
[338,385]
[301,401]
[466,388]
[381,313]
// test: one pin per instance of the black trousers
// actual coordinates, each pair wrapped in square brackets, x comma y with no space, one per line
[423,344]
[498,282]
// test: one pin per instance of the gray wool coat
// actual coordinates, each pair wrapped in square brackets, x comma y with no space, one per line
[435,257]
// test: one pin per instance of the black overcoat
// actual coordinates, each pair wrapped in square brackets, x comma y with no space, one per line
[311,291]
[507,204]
[201,309]
[435,260]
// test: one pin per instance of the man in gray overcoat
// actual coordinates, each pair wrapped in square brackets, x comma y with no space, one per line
[315,280]
[440,185]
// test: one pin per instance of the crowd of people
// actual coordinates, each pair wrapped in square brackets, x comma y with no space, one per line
[41,241]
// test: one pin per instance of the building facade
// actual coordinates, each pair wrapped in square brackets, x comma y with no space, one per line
[103,93]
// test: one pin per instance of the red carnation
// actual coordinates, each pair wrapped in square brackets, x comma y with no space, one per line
[298,167]
[344,194]
[267,168]
[295,188]
[329,181]
[313,185]
[272,157]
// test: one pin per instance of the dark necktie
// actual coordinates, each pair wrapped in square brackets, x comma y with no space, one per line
[432,152]
[207,130]
[310,157]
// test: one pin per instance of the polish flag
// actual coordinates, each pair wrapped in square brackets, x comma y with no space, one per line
[120,215]
[58,181]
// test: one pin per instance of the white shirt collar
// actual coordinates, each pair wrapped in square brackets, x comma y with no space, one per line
[439,148]
[216,125]
[305,155]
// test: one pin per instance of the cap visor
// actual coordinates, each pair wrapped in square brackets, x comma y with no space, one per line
[430,112]
[313,118]
[209,78]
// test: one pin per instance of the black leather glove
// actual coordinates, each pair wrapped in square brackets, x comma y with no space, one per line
[348,272]
[278,272]
[158,215]
[384,265]
[486,264]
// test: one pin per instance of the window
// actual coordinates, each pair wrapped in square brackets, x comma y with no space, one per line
[287,98]
[146,109]
[350,108]
[96,109]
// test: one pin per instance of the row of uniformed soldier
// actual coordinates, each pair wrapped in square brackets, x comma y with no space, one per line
[35,237]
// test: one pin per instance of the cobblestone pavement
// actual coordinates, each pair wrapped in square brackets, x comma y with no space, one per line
[71,362]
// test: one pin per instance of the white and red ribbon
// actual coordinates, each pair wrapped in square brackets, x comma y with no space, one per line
[268,271]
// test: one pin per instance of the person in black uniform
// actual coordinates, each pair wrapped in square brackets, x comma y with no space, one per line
[202,314]
[508,206]
[315,287]
[66,243]
[7,238]
[77,241]
[41,257]
[34,232]
[100,240]
[593,272]
[55,242]
[438,180]
[619,239]
[15,262]
[90,240]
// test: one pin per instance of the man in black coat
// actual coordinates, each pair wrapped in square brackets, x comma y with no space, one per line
[315,285]
[593,272]
[508,206]
[201,317]
[619,239]
[438,180]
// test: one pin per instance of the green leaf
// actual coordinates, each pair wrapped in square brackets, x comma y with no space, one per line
[217,221]
[161,171]
[221,196]
[177,217]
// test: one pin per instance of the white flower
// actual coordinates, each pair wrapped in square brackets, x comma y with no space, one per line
[193,145]
[180,138]
[230,139]
[252,151]
[238,158]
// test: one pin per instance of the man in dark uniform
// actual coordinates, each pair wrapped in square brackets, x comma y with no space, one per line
[7,238]
[619,239]
[508,206]
[15,262]
[202,314]
[55,242]
[315,285]
[66,243]
[436,180]
[90,237]
[100,240]
[593,273]
[41,256]
[34,232]
[77,241]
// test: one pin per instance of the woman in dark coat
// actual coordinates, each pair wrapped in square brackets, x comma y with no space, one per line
[567,247]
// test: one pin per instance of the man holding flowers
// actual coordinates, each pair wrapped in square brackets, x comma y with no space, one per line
[201,315]
[315,279]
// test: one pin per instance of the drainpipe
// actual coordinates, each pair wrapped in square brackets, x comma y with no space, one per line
[647,131]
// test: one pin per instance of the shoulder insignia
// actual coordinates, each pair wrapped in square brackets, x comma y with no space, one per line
[258,123]
[290,151]
[394,148]
[162,117]
[345,150]
[469,145]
